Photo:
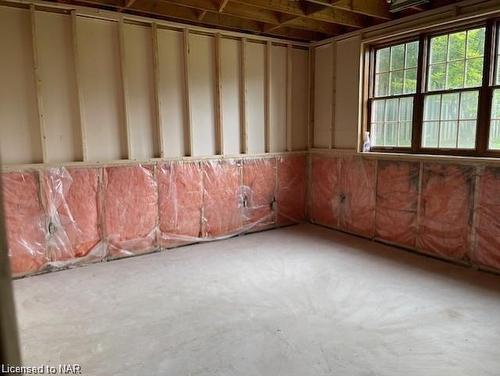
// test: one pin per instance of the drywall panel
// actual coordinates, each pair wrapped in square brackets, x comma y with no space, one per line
[201,93]
[254,81]
[278,99]
[347,92]
[171,91]
[323,95]
[20,140]
[58,84]
[101,85]
[300,97]
[140,91]
[230,80]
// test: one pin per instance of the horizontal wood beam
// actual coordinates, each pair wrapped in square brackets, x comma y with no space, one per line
[345,11]
[318,26]
[167,11]
[177,13]
[265,16]
[325,3]
[306,24]
[373,8]
[340,17]
[238,10]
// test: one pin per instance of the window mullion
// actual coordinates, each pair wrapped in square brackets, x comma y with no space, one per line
[458,116]
[418,101]
[485,92]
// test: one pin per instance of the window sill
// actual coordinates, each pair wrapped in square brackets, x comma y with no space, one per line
[432,157]
[412,156]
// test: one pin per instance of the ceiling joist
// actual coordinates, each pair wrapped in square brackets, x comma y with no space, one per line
[305,20]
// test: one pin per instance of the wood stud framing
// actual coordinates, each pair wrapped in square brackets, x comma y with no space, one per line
[38,85]
[160,138]
[219,126]
[310,109]
[289,104]
[243,99]
[123,72]
[157,97]
[188,131]
[267,98]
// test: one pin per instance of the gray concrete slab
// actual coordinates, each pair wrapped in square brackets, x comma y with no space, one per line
[301,300]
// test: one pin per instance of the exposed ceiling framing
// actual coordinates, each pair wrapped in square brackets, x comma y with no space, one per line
[305,20]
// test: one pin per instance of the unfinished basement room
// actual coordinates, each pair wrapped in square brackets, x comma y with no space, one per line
[250,187]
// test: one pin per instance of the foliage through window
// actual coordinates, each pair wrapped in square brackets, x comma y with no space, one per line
[433,94]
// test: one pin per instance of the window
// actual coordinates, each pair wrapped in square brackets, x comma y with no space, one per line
[433,94]
[395,86]
[455,62]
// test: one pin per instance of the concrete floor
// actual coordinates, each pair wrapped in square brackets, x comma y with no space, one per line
[301,300]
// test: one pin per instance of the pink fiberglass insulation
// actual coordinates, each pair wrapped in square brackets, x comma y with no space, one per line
[259,186]
[325,178]
[397,201]
[445,210]
[357,195]
[291,189]
[487,251]
[130,209]
[180,186]
[25,221]
[222,198]
[72,201]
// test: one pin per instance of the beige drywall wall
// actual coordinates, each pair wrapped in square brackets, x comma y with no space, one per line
[254,82]
[98,53]
[171,91]
[345,126]
[20,140]
[58,87]
[201,92]
[300,97]
[344,57]
[139,78]
[104,90]
[323,96]
[278,98]
[230,81]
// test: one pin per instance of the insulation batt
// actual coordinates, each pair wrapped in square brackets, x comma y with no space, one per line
[72,197]
[259,190]
[325,175]
[357,199]
[343,193]
[291,189]
[81,219]
[397,201]
[487,251]
[25,219]
[445,212]
[130,209]
[180,186]
[222,198]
